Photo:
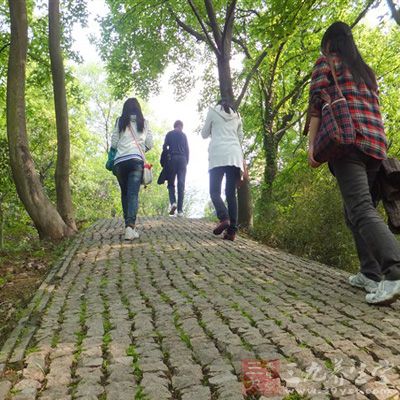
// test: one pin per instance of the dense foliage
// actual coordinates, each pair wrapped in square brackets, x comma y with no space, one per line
[295,208]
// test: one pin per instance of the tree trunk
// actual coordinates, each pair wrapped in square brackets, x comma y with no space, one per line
[270,148]
[395,12]
[63,190]
[270,154]
[45,217]
[2,221]
[244,193]
[245,209]
[225,78]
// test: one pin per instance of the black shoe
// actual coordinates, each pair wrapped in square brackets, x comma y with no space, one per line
[221,227]
[230,235]
[172,209]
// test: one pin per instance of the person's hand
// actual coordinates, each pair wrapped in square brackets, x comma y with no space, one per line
[311,161]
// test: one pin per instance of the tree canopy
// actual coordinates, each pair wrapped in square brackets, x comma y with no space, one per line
[257,54]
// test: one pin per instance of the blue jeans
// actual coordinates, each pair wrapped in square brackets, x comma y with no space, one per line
[129,174]
[232,175]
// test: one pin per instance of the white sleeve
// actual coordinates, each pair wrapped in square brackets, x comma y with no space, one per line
[240,131]
[206,131]
[148,141]
[115,135]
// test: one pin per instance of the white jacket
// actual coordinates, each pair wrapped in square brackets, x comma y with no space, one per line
[226,136]
[126,145]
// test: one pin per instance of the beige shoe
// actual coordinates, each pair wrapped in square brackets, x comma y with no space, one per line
[361,281]
[388,292]
[131,233]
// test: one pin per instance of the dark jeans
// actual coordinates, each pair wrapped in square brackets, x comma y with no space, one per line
[177,167]
[232,175]
[377,248]
[129,174]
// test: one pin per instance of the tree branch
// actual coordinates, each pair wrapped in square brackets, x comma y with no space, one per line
[279,133]
[241,43]
[213,21]
[249,12]
[394,11]
[295,90]
[203,27]
[4,47]
[186,27]
[278,54]
[362,14]
[250,75]
[229,18]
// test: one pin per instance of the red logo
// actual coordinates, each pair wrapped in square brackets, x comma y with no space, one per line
[261,377]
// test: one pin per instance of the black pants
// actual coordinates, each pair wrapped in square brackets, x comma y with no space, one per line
[177,168]
[232,175]
[377,248]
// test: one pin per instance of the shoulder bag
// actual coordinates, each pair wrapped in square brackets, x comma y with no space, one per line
[336,131]
[147,176]
[111,154]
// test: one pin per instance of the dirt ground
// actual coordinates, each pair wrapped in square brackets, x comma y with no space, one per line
[21,273]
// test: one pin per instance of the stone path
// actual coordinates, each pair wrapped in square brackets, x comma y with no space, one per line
[181,314]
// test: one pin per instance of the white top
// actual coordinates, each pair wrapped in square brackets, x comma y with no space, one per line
[126,145]
[226,135]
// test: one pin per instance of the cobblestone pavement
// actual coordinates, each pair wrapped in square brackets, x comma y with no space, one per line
[181,314]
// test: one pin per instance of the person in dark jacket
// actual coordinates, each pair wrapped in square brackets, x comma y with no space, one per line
[176,145]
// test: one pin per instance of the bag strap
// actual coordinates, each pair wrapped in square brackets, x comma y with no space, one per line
[137,144]
[333,71]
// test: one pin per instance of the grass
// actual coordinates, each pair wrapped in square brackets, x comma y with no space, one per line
[30,350]
[24,262]
[296,396]
[329,365]
[137,372]
[55,340]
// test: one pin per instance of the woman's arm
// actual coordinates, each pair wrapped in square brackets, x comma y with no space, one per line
[240,130]
[314,126]
[115,135]
[206,131]
[148,141]
[319,83]
[186,150]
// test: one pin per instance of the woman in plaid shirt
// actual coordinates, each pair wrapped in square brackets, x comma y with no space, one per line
[356,170]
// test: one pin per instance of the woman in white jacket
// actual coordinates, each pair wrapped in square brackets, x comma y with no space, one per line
[225,156]
[131,131]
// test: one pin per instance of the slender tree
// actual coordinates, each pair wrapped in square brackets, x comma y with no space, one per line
[63,189]
[44,215]
[206,21]
[219,40]
[395,11]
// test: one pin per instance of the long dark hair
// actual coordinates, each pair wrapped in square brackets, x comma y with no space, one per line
[131,107]
[227,106]
[339,40]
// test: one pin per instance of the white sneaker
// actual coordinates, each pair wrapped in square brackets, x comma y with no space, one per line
[131,233]
[361,281]
[173,209]
[180,214]
[387,293]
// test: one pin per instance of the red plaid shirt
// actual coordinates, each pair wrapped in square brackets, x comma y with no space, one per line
[363,105]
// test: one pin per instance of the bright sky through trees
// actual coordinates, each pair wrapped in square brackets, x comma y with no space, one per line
[164,109]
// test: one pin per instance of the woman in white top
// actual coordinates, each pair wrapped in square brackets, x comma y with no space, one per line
[225,156]
[131,130]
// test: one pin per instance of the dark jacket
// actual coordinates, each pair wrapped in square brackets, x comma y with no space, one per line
[389,190]
[176,143]
[164,161]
